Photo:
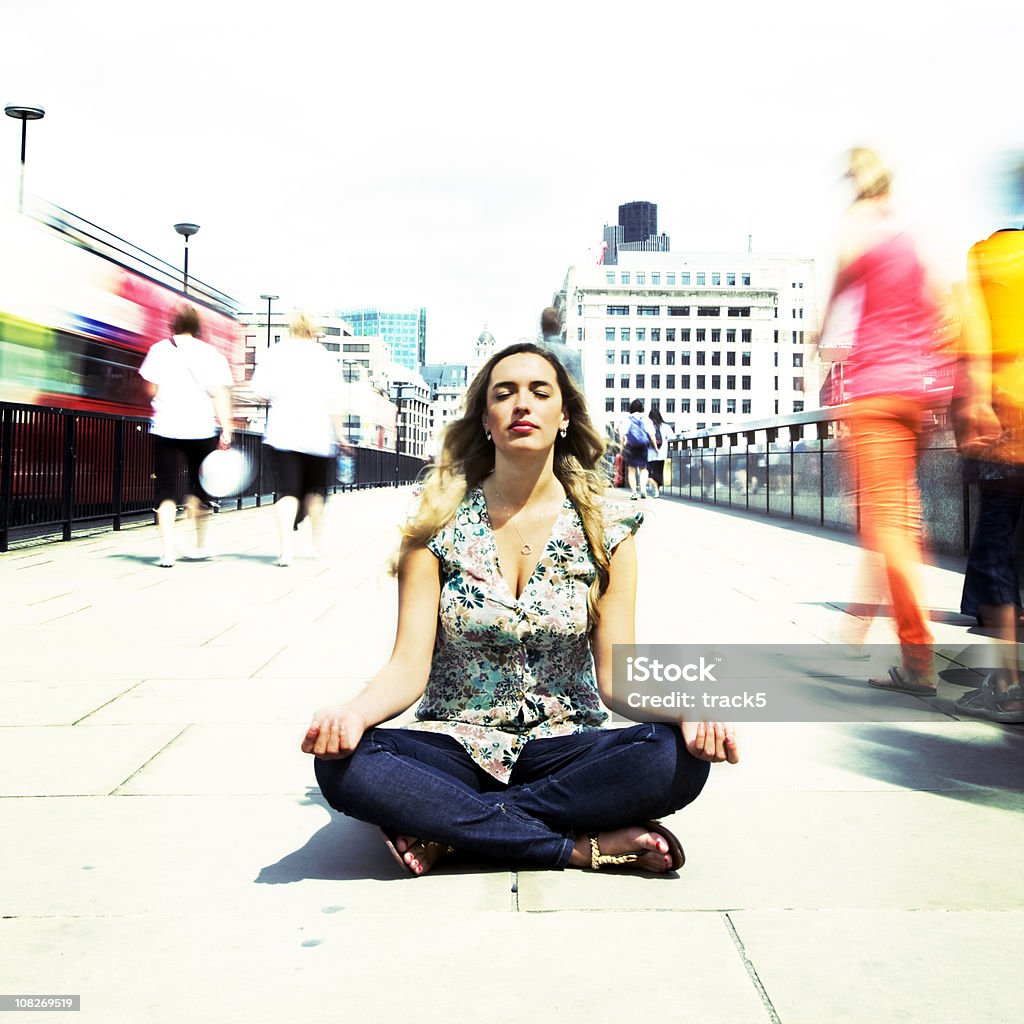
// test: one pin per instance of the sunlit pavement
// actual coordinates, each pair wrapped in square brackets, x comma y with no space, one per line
[167,856]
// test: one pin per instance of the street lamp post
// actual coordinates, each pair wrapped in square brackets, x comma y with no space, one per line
[187,230]
[269,299]
[24,115]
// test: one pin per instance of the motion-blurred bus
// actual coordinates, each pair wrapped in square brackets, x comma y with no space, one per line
[79,309]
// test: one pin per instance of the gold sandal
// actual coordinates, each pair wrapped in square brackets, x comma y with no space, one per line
[598,859]
[675,849]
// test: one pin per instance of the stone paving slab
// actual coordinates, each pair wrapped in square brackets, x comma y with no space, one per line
[99,656]
[173,856]
[453,966]
[850,967]
[199,681]
[76,760]
[939,755]
[33,702]
[223,701]
[242,757]
[824,851]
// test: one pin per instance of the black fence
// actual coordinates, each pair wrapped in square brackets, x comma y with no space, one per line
[794,467]
[61,469]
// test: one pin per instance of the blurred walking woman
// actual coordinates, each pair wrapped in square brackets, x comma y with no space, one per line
[885,377]
[300,379]
[189,382]
[516,579]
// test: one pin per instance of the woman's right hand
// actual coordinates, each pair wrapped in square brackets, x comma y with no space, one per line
[334,733]
[711,741]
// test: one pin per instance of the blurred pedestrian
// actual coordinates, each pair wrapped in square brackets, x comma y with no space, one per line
[636,438]
[302,382]
[551,333]
[990,428]
[189,383]
[885,377]
[658,451]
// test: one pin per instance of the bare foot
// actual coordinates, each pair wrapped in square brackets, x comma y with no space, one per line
[420,855]
[655,854]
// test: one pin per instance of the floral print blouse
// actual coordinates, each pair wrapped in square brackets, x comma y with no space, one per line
[506,670]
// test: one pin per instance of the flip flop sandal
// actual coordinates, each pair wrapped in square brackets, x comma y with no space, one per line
[896,680]
[675,849]
[389,842]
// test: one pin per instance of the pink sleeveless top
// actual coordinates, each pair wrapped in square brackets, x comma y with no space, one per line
[892,345]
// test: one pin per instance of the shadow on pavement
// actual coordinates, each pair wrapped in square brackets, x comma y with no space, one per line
[347,850]
[945,762]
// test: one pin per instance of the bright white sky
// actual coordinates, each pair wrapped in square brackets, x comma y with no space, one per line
[460,155]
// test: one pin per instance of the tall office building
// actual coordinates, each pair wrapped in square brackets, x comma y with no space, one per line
[711,338]
[638,221]
[637,231]
[405,331]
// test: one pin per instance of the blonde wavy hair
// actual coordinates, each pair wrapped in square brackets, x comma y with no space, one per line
[302,325]
[467,457]
[870,176]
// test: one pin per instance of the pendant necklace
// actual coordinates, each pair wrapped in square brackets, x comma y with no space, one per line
[525,549]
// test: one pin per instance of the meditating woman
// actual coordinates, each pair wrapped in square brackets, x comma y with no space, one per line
[516,580]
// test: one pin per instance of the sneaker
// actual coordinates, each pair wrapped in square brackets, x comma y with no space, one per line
[166,561]
[634,496]
[987,702]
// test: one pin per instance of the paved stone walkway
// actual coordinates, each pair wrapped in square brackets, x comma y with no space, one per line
[167,856]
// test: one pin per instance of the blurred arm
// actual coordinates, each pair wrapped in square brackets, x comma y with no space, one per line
[980,425]
[222,404]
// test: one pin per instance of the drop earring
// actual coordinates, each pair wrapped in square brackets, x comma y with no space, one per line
[563,432]
[487,434]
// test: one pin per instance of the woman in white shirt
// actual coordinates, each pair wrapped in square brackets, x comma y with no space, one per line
[189,382]
[302,382]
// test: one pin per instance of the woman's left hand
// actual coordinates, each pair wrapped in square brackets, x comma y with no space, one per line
[711,741]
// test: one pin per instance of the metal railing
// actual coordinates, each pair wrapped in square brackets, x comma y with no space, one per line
[794,467]
[61,469]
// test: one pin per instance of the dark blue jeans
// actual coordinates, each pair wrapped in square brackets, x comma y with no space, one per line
[991,576]
[425,785]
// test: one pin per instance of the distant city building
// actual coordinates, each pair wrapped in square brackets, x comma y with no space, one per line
[411,396]
[638,221]
[447,383]
[484,349]
[711,338]
[405,331]
[636,231]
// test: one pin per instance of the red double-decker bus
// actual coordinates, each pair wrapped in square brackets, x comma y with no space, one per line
[79,309]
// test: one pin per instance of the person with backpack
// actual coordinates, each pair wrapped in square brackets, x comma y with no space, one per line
[657,451]
[636,437]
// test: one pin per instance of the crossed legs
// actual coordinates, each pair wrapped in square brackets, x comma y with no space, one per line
[425,789]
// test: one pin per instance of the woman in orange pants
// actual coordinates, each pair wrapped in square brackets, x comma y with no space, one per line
[885,376]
